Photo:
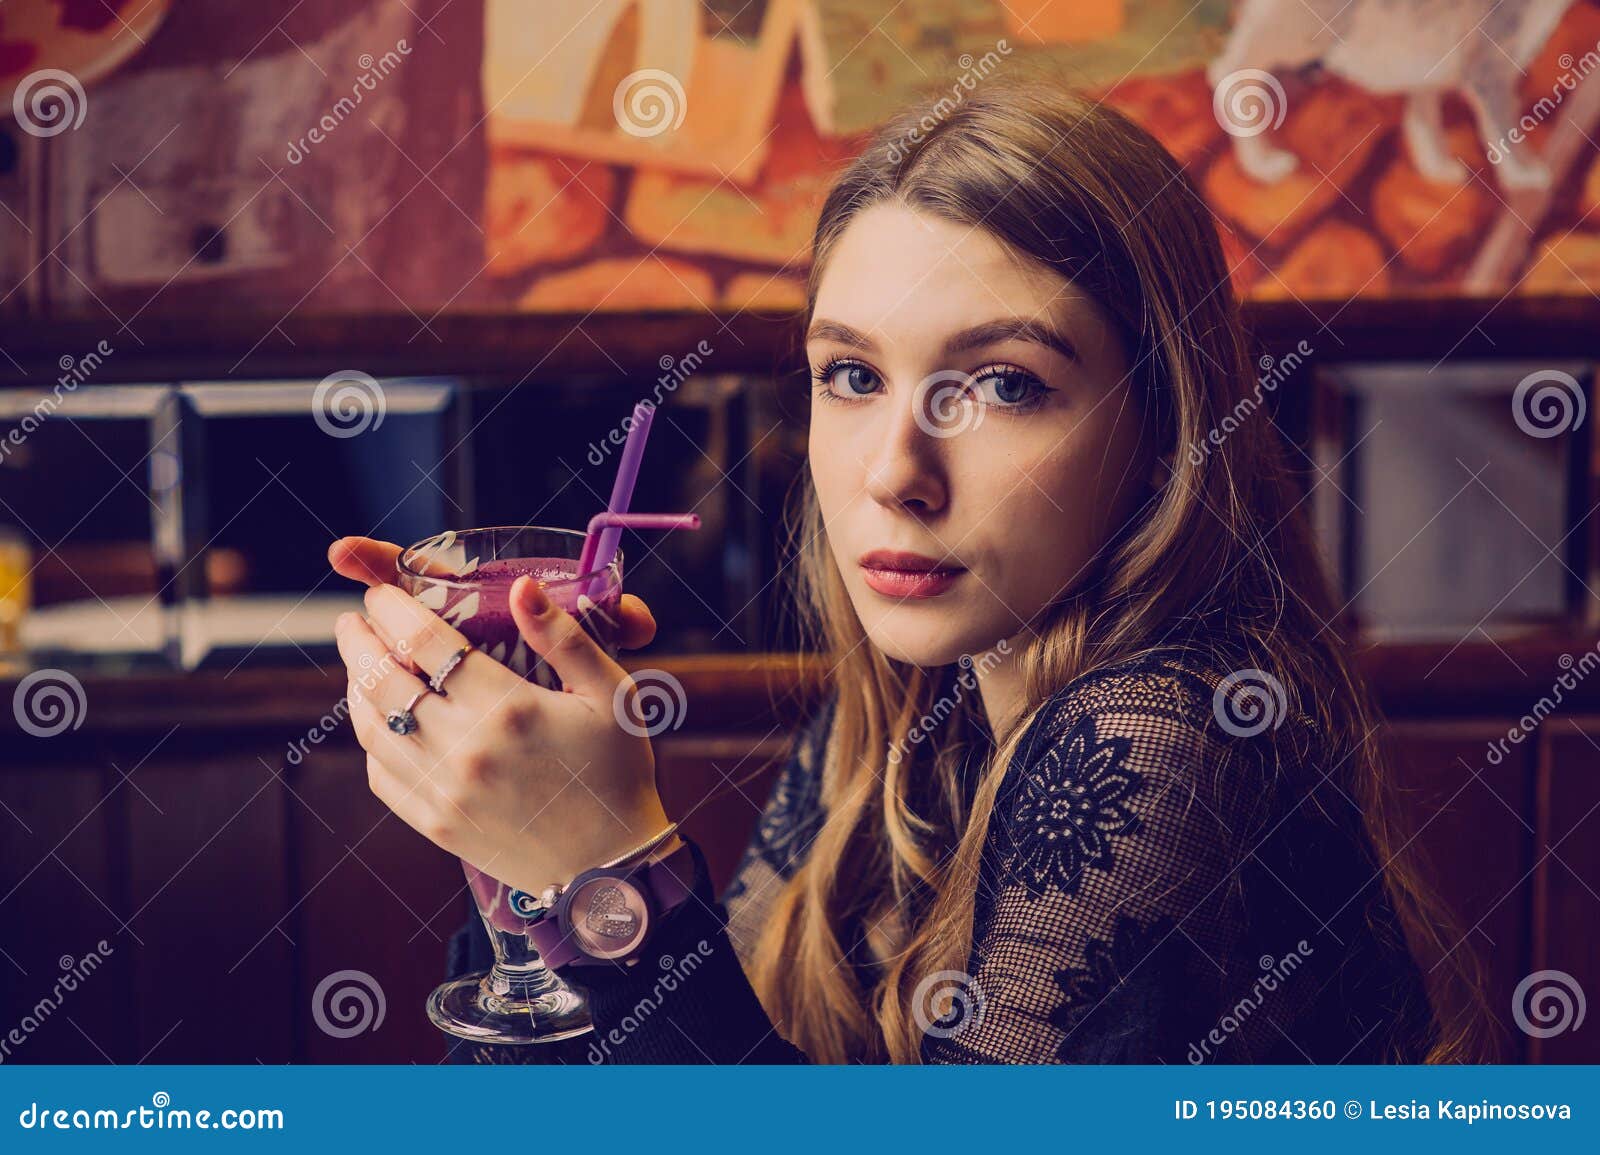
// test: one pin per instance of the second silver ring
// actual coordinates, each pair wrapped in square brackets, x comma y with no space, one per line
[436,683]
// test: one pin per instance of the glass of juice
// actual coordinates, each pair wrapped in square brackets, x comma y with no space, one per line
[465,576]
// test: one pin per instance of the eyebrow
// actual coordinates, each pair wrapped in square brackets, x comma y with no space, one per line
[1012,329]
[973,337]
[839,333]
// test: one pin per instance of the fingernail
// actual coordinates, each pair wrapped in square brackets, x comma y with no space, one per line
[538,600]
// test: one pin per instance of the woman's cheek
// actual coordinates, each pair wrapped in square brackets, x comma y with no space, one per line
[1059,547]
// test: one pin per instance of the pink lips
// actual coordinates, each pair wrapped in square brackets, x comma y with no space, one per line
[900,574]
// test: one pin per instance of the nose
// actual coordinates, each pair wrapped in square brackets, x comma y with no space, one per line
[906,463]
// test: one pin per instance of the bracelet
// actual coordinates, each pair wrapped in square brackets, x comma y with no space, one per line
[643,849]
[527,906]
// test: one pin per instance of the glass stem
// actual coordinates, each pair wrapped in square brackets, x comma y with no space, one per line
[518,971]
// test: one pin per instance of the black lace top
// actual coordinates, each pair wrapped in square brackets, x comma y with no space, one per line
[1159,883]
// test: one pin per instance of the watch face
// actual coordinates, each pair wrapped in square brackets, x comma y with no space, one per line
[608,916]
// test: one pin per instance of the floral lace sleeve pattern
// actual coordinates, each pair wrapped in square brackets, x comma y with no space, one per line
[1157,887]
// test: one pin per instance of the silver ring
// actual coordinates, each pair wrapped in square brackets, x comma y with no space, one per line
[403,721]
[436,683]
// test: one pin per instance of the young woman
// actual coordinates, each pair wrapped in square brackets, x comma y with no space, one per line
[1097,782]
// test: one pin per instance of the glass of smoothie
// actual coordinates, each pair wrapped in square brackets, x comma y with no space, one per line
[465,576]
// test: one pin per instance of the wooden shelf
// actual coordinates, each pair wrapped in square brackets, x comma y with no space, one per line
[513,347]
[734,693]
[498,346]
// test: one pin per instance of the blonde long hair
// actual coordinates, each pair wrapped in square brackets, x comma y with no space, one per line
[885,895]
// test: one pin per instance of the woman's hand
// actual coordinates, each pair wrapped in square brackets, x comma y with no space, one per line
[529,785]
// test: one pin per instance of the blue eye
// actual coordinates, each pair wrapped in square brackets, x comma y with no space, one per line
[846,380]
[1009,387]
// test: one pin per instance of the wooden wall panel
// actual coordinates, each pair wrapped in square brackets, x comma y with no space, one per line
[1568,874]
[60,859]
[1469,825]
[370,895]
[206,866]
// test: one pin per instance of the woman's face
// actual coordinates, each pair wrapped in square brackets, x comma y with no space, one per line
[970,408]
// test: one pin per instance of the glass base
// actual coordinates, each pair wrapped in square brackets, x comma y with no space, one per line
[489,1008]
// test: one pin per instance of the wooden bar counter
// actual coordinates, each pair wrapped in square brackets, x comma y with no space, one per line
[231,864]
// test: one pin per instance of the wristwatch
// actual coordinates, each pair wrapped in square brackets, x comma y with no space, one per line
[608,914]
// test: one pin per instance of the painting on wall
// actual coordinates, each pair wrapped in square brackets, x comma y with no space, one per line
[580,155]
[674,153]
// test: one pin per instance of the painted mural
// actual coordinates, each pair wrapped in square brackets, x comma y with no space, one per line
[644,154]
[674,153]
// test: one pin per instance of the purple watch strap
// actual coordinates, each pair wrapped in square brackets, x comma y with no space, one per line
[670,882]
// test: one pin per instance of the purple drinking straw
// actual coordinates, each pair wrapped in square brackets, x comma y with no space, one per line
[601,523]
[590,561]
[621,489]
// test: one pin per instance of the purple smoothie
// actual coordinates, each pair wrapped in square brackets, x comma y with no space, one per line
[483,614]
